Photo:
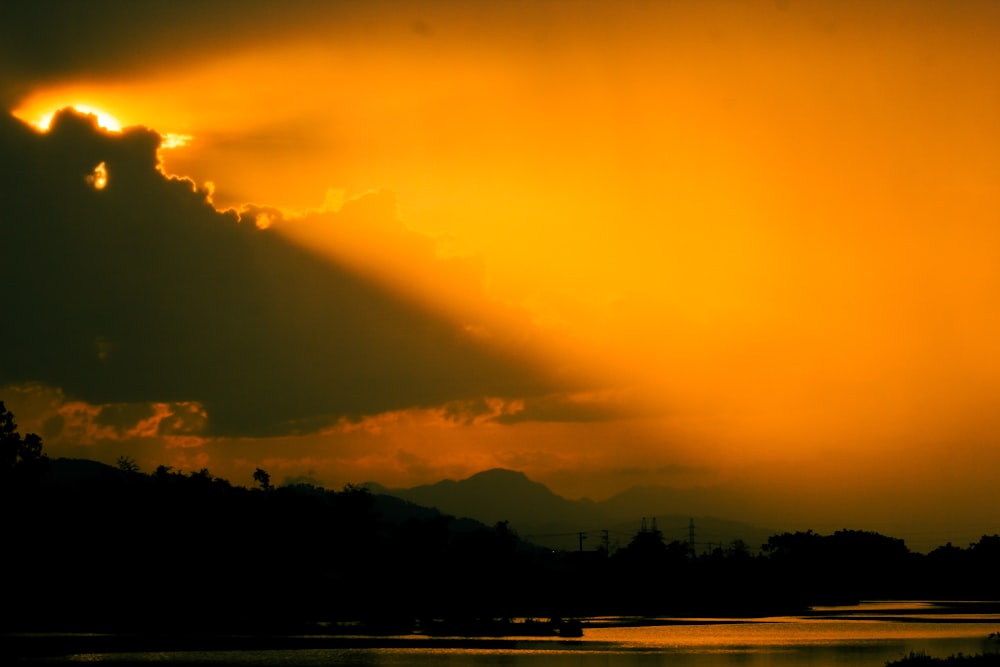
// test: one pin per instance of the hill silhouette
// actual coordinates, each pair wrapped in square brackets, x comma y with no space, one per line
[548,519]
[497,495]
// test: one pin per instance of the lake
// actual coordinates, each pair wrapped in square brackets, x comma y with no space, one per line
[867,634]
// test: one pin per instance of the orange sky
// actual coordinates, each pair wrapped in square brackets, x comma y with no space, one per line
[759,241]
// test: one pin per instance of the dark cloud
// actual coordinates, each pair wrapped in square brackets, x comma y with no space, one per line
[59,37]
[54,40]
[143,292]
[47,41]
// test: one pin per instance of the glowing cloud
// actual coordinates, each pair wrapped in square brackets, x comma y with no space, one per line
[99,177]
[104,119]
[40,110]
[173,140]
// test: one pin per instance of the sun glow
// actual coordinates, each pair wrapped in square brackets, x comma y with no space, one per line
[43,121]
[104,119]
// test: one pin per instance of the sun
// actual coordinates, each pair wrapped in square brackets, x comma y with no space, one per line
[40,112]
[104,119]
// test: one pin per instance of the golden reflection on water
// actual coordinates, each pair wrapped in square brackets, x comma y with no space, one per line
[879,606]
[869,634]
[784,632]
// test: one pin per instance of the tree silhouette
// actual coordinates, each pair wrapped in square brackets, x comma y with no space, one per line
[127,464]
[10,439]
[21,459]
[262,478]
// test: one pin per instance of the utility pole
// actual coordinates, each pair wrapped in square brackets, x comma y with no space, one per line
[691,536]
[582,537]
[607,542]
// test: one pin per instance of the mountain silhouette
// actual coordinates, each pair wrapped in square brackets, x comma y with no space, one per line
[497,495]
[546,518]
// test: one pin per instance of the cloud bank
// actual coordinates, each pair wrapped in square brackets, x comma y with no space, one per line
[143,292]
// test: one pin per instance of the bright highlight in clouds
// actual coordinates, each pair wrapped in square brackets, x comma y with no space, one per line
[31,112]
[104,119]
[173,140]
[99,177]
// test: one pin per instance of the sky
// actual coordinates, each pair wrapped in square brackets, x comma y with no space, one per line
[749,247]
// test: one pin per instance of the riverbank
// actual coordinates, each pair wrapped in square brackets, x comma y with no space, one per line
[919,660]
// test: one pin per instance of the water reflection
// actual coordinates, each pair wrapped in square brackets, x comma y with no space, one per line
[786,632]
[868,634]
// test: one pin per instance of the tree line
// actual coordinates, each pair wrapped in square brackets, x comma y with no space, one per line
[90,546]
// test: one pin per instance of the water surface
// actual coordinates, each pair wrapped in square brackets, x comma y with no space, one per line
[868,634]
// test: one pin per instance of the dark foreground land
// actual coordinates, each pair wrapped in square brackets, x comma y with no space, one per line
[91,548]
[981,660]
[94,548]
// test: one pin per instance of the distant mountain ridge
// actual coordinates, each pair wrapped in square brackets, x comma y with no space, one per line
[497,495]
[547,518]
